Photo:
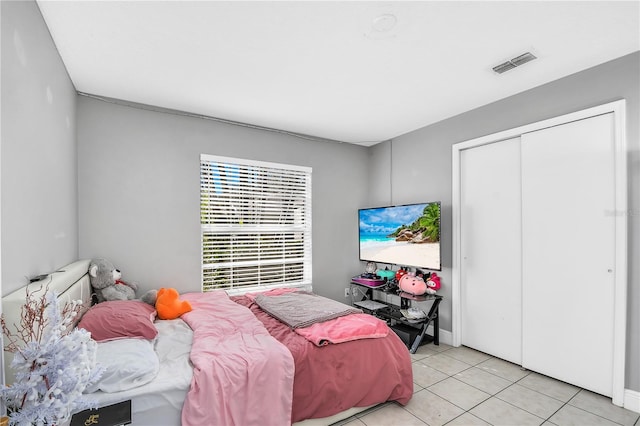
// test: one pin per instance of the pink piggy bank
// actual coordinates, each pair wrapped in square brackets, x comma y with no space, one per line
[412,285]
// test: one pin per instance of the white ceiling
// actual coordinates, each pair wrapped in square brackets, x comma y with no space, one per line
[352,71]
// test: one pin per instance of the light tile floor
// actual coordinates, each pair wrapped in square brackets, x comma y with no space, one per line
[461,386]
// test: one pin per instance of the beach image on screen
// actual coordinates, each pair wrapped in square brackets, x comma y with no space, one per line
[401,235]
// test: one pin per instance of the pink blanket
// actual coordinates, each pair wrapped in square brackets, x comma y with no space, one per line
[242,375]
[344,329]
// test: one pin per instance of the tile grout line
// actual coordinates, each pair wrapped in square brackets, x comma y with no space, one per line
[518,381]
[490,395]
[527,411]
[466,369]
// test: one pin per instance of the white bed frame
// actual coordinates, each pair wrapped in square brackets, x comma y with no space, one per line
[72,283]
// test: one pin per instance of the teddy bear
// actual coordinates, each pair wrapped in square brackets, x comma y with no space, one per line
[107,284]
[169,305]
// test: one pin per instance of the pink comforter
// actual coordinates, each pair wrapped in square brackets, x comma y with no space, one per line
[242,375]
[332,378]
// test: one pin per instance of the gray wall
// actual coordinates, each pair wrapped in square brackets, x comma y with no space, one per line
[138,175]
[380,175]
[430,178]
[39,181]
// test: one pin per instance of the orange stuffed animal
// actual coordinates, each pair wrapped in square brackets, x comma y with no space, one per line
[169,305]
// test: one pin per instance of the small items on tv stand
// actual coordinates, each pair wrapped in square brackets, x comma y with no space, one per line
[369,280]
[412,331]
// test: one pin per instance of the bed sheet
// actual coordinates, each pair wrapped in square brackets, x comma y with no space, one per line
[160,401]
[334,378]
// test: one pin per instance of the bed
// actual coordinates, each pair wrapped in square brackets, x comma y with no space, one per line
[230,362]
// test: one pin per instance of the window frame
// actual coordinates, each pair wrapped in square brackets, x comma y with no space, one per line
[253,233]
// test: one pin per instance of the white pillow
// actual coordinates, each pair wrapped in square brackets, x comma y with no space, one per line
[128,363]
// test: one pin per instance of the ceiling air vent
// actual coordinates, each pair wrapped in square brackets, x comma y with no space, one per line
[514,62]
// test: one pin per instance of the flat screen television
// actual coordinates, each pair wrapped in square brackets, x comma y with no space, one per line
[406,235]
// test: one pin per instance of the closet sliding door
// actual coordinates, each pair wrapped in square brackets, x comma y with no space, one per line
[540,247]
[568,252]
[490,246]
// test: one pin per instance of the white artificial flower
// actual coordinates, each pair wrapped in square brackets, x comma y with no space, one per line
[52,374]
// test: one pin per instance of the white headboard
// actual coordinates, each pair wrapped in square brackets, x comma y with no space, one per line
[71,282]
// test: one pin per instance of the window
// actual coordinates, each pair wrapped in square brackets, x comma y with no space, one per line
[256,224]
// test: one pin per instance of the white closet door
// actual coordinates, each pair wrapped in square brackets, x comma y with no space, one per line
[490,266]
[568,252]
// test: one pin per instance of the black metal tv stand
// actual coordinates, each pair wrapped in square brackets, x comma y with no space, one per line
[412,332]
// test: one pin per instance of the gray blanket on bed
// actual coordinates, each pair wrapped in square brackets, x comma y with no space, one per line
[302,309]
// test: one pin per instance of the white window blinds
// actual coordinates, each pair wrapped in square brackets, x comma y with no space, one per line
[256,224]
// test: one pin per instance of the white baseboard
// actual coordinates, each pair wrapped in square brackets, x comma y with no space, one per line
[632,400]
[445,336]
